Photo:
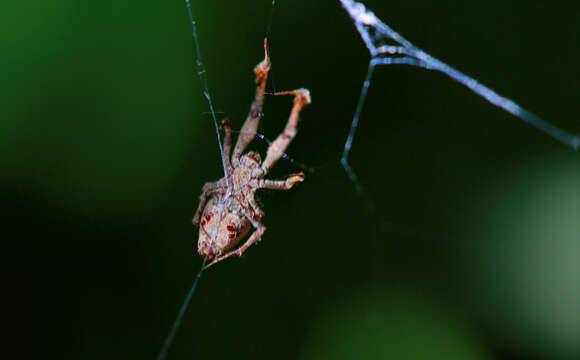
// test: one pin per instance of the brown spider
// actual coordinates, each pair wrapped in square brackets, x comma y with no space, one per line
[227,207]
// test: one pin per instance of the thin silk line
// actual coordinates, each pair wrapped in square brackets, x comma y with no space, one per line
[201,72]
[177,323]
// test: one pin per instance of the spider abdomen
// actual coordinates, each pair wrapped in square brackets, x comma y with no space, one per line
[221,228]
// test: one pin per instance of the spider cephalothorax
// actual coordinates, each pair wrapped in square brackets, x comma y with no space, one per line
[227,209]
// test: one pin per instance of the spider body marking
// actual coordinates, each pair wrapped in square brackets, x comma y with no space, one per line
[227,209]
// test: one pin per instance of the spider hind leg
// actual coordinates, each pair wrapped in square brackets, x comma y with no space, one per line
[281,184]
[208,189]
[255,237]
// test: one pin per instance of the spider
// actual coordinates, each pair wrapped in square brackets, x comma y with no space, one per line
[227,208]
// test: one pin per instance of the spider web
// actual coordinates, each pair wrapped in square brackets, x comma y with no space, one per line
[387,47]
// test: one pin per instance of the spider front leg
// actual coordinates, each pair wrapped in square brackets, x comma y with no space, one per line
[255,237]
[277,148]
[250,126]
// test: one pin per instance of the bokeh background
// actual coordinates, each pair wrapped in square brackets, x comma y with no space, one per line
[472,251]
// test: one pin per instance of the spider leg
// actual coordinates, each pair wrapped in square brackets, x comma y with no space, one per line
[256,235]
[250,208]
[281,184]
[208,189]
[276,149]
[227,145]
[252,201]
[251,124]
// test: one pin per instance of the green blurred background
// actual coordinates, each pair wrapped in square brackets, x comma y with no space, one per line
[105,143]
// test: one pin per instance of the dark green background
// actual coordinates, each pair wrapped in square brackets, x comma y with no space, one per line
[105,143]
